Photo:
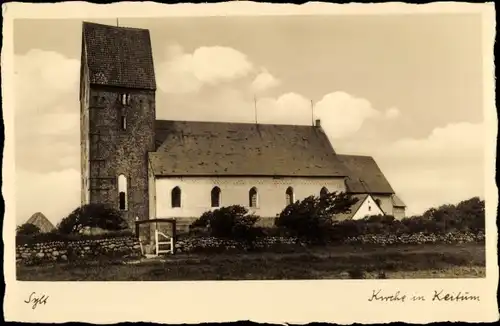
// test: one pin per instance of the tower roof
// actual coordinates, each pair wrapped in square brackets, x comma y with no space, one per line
[118,56]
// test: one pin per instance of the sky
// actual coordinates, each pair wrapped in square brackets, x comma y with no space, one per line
[405,89]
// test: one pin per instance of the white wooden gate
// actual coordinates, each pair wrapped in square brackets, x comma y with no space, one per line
[162,239]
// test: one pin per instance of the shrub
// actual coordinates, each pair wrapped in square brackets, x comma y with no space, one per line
[466,215]
[92,215]
[385,219]
[27,229]
[472,214]
[203,222]
[232,222]
[311,218]
[274,232]
[356,273]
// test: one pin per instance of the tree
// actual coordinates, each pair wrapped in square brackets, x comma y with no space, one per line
[445,217]
[92,215]
[27,229]
[312,218]
[471,213]
[229,222]
[467,215]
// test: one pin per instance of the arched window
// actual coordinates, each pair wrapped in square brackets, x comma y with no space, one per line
[176,197]
[215,195]
[122,192]
[289,196]
[252,197]
[323,192]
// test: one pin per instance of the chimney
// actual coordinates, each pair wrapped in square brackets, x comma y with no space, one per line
[318,123]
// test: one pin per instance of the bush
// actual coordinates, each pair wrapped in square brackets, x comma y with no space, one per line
[385,219]
[92,215]
[27,229]
[232,222]
[311,219]
[466,215]
[274,232]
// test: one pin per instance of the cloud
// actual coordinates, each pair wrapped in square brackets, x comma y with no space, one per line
[445,167]
[289,108]
[342,114]
[460,141]
[42,78]
[47,111]
[188,72]
[55,194]
[392,113]
[46,134]
[264,81]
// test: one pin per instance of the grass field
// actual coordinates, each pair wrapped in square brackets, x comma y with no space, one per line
[340,262]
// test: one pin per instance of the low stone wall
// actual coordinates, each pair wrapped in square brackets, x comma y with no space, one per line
[205,243]
[117,247]
[416,238]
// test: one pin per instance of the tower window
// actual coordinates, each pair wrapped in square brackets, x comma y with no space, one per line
[123,122]
[122,192]
[125,99]
[215,197]
[289,196]
[252,197]
[122,201]
[176,197]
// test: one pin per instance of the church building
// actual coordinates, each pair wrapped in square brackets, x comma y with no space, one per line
[150,168]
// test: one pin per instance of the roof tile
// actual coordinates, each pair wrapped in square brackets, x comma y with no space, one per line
[183,148]
[119,56]
[364,175]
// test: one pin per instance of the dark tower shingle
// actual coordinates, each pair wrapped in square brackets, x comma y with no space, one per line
[119,56]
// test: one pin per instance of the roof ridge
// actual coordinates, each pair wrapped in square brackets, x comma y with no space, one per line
[365,186]
[115,27]
[356,155]
[236,122]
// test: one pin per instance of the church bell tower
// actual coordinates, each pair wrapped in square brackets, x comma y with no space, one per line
[117,117]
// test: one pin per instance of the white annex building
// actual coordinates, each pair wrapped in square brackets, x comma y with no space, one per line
[152,168]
